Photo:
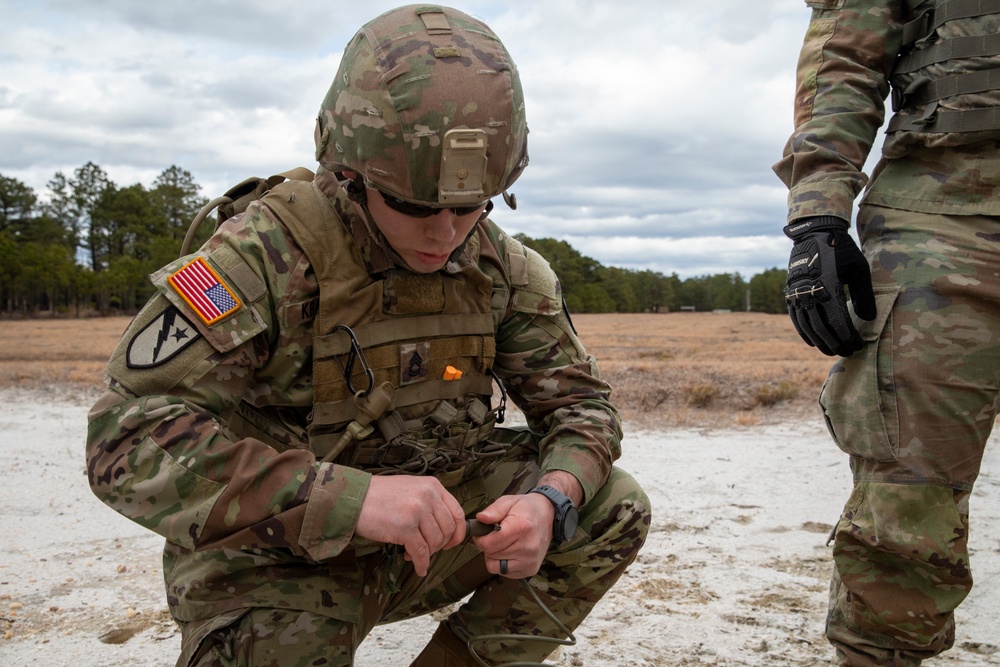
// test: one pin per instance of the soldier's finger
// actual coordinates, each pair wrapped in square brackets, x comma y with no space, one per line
[432,529]
[449,513]
[420,555]
[457,521]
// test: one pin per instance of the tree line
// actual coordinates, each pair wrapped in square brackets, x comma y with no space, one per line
[91,245]
[589,287]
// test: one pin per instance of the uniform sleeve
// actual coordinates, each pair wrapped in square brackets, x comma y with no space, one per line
[551,378]
[841,83]
[159,451]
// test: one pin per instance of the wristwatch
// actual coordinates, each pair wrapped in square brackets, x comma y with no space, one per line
[567,517]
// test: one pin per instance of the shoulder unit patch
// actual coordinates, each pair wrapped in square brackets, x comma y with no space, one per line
[202,289]
[161,340]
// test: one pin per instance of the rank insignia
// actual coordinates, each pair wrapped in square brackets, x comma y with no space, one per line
[202,289]
[413,362]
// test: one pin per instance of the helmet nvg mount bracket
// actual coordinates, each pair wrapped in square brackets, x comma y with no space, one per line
[463,166]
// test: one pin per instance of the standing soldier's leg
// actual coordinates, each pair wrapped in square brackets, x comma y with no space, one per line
[914,409]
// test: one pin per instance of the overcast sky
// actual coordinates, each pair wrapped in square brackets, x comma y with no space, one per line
[654,123]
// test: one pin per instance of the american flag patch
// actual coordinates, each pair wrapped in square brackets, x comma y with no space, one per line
[202,288]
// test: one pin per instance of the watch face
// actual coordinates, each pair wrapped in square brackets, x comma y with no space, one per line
[567,517]
[570,522]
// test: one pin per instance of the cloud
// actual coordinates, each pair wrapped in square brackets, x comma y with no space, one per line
[653,123]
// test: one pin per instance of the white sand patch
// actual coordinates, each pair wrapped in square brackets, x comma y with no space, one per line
[734,572]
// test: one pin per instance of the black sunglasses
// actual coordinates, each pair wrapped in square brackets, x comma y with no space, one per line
[421,211]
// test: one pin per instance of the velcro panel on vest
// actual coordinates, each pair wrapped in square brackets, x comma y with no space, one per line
[542,294]
[475,347]
[408,293]
[405,329]
[517,262]
[518,266]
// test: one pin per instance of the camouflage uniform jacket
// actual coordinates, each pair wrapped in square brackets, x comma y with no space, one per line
[244,519]
[849,55]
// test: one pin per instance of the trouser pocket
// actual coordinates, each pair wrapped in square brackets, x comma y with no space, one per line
[213,642]
[859,395]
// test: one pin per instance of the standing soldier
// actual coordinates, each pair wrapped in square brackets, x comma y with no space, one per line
[914,397]
[305,410]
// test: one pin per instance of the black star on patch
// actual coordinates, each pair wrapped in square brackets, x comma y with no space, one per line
[180,334]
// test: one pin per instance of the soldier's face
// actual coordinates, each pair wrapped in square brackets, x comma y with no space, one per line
[424,243]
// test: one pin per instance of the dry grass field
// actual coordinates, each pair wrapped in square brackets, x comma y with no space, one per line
[43,353]
[720,369]
[671,369]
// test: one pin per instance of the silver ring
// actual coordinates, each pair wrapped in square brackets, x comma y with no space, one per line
[503,567]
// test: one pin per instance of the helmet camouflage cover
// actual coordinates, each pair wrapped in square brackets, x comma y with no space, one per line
[427,106]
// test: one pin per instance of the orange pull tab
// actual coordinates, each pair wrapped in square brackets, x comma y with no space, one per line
[452,373]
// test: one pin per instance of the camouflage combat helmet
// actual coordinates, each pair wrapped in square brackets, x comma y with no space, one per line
[427,106]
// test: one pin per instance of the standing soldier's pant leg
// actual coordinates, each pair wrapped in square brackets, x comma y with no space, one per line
[914,409]
[901,569]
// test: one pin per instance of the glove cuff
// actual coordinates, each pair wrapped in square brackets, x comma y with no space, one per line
[803,226]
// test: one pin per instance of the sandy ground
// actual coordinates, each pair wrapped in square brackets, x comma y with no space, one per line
[734,572]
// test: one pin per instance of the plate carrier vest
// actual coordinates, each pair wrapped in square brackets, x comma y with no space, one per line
[385,348]
[946,80]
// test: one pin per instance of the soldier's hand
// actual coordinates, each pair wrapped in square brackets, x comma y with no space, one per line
[524,536]
[416,512]
[824,258]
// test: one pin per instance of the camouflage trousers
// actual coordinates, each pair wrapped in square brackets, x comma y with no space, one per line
[914,409]
[573,577]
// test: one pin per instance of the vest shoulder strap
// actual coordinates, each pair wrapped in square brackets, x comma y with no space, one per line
[311,219]
[236,200]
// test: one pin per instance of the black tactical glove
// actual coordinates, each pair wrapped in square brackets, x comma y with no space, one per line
[824,259]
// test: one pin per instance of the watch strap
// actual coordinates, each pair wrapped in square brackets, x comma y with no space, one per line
[555,496]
